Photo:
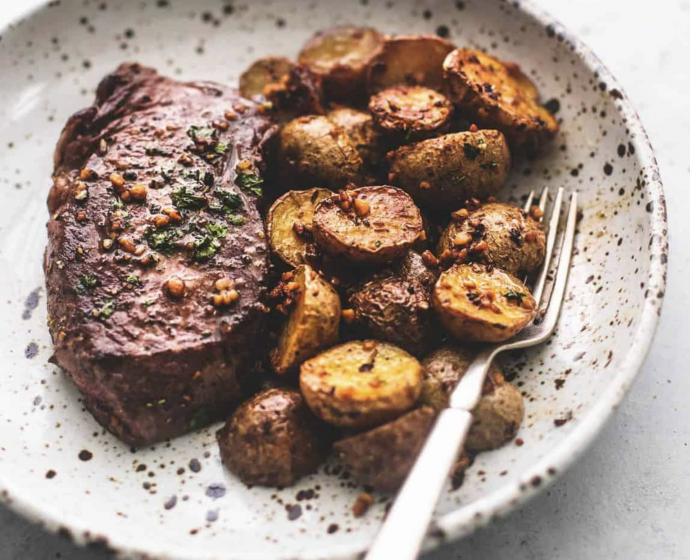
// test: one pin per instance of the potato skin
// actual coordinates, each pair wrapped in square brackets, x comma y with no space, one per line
[272,439]
[383,457]
[314,152]
[499,95]
[442,173]
[361,384]
[359,126]
[341,56]
[390,226]
[289,224]
[515,242]
[411,60]
[266,71]
[465,313]
[499,413]
[312,325]
[410,112]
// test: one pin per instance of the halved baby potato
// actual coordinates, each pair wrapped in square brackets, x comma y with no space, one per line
[498,234]
[500,96]
[497,416]
[314,151]
[383,456]
[482,303]
[442,173]
[367,225]
[289,224]
[411,60]
[341,55]
[410,112]
[361,384]
[359,126]
[312,324]
[266,71]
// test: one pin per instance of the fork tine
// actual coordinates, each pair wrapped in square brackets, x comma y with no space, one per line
[528,202]
[558,288]
[543,199]
[550,243]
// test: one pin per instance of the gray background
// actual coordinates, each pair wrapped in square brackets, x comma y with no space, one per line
[627,497]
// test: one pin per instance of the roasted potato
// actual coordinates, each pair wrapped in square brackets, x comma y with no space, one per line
[499,96]
[482,303]
[411,60]
[397,307]
[367,225]
[272,439]
[341,55]
[499,413]
[266,71]
[361,384]
[410,112]
[289,224]
[359,126]
[497,234]
[443,172]
[313,321]
[383,457]
[298,93]
[314,152]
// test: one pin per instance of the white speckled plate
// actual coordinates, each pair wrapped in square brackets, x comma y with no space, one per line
[175,501]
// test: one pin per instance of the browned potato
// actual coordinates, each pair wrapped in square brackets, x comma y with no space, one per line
[410,112]
[500,96]
[443,172]
[298,93]
[482,303]
[397,308]
[341,55]
[409,59]
[367,225]
[498,234]
[315,152]
[272,439]
[383,457]
[499,413]
[360,128]
[289,224]
[266,71]
[313,322]
[361,384]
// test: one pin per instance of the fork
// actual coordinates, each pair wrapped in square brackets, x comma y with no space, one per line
[405,528]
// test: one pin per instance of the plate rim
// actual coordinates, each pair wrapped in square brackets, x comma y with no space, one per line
[466,519]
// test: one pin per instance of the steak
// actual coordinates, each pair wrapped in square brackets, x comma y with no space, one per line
[157,261]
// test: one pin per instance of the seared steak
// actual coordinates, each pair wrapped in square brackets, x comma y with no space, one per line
[157,261]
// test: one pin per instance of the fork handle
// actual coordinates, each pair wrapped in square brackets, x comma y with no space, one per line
[404,530]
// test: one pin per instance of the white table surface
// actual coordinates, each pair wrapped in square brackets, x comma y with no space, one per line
[629,497]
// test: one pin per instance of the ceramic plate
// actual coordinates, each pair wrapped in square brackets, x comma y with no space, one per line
[174,500]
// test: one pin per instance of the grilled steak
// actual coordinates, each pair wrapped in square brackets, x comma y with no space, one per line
[156,260]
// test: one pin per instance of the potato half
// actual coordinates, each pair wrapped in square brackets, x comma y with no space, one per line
[442,173]
[410,112]
[361,384]
[359,126]
[312,324]
[367,225]
[411,60]
[266,71]
[383,457]
[482,303]
[272,439]
[499,413]
[507,237]
[314,152]
[500,96]
[341,55]
[289,224]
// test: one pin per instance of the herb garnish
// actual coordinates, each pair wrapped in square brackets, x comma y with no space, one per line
[87,283]
[163,240]
[217,230]
[133,280]
[250,182]
[201,133]
[512,295]
[182,198]
[157,151]
[106,311]
[471,152]
[205,247]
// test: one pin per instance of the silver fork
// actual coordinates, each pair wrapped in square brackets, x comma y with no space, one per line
[403,532]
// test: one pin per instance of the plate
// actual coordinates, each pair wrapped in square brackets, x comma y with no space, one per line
[174,500]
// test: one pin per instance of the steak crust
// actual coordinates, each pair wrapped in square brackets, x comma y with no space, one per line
[154,199]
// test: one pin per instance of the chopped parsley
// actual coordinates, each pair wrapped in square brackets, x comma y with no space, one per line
[216,230]
[201,133]
[188,200]
[471,152]
[512,295]
[149,302]
[231,200]
[163,240]
[250,182]
[106,311]
[157,151]
[132,279]
[221,147]
[87,283]
[117,204]
[205,248]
